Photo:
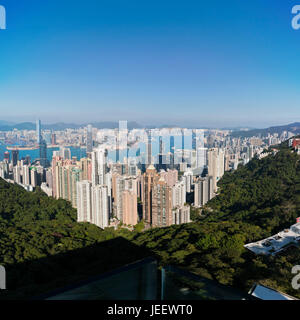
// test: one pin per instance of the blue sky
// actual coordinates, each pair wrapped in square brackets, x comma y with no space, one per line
[207,63]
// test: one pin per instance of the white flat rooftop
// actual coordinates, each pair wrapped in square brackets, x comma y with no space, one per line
[277,242]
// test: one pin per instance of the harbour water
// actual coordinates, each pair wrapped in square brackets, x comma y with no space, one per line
[34,154]
[80,152]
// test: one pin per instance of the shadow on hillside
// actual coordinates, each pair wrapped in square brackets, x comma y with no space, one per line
[37,277]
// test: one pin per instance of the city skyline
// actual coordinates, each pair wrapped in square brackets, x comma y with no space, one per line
[132,124]
[190,64]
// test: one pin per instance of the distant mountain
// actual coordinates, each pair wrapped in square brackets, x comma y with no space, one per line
[236,132]
[19,126]
[5,126]
[293,127]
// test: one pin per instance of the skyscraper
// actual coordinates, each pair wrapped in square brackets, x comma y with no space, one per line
[117,134]
[100,207]
[89,138]
[15,156]
[181,215]
[172,144]
[17,174]
[172,152]
[161,204]
[84,165]
[43,153]
[182,145]
[179,194]
[38,132]
[188,179]
[203,191]
[149,179]
[149,148]
[33,176]
[53,139]
[99,166]
[119,187]
[161,159]
[194,141]
[130,214]
[25,175]
[65,176]
[216,165]
[84,203]
[160,145]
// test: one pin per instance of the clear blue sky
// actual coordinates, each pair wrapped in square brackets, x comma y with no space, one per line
[206,63]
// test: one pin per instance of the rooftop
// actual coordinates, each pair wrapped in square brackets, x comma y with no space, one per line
[276,243]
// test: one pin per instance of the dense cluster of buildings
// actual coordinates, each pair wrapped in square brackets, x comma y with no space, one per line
[156,187]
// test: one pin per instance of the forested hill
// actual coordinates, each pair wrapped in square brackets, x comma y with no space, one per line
[44,248]
[265,192]
[254,202]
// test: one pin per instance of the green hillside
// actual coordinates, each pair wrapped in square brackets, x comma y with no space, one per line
[43,247]
[255,201]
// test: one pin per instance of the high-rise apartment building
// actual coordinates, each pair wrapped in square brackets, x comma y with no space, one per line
[17,174]
[99,166]
[181,215]
[150,178]
[118,197]
[84,201]
[188,178]
[179,194]
[33,177]
[216,165]
[25,175]
[65,176]
[119,185]
[130,214]
[85,165]
[203,191]
[161,215]
[100,206]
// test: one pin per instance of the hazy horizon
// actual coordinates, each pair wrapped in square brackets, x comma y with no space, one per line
[146,124]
